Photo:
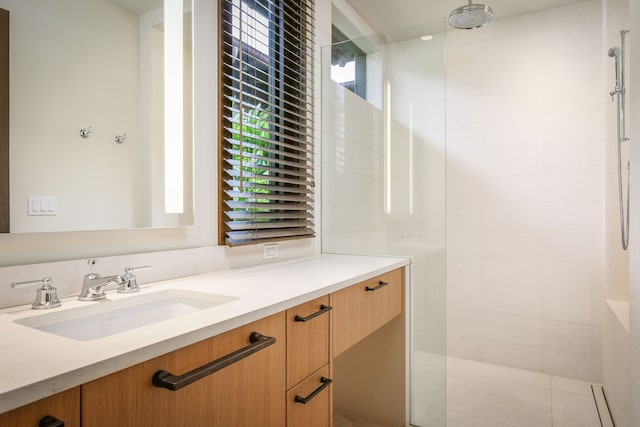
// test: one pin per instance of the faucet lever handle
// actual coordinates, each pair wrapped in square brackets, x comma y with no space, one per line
[47,295]
[129,270]
[130,280]
[45,282]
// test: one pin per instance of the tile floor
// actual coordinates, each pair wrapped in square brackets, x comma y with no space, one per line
[485,395]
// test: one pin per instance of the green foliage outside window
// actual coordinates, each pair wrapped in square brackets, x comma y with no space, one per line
[255,138]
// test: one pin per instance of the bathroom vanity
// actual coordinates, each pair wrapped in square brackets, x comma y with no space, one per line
[309,333]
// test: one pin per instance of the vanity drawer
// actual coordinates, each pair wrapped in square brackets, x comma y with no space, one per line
[364,307]
[307,339]
[249,391]
[309,403]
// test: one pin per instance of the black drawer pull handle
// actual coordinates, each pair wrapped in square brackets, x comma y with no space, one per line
[323,309]
[172,382]
[326,382]
[381,285]
[50,421]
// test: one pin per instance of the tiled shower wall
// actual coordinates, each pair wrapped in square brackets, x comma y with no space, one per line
[525,191]
[621,342]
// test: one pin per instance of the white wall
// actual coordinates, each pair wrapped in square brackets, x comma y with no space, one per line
[352,169]
[616,18]
[525,191]
[621,344]
[634,255]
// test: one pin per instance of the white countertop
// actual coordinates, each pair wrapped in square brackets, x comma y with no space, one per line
[35,364]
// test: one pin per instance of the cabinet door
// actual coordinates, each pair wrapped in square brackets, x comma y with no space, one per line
[364,307]
[309,403]
[249,392]
[307,339]
[64,406]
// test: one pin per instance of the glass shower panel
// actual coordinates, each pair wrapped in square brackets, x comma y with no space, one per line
[383,184]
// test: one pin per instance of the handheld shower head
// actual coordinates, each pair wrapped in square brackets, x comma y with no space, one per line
[616,53]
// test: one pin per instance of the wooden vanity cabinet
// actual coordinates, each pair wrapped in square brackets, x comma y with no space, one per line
[309,390]
[249,392]
[288,382]
[63,406]
[364,307]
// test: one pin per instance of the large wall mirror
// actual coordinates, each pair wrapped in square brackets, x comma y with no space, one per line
[100,114]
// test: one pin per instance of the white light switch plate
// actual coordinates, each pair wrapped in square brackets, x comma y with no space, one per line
[42,206]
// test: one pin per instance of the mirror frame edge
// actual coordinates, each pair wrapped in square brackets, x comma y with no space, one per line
[4,121]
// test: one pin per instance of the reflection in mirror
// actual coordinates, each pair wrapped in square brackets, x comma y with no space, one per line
[100,114]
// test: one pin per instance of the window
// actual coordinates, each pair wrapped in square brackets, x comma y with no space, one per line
[266,121]
[348,64]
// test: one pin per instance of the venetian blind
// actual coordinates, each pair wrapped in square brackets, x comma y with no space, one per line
[266,120]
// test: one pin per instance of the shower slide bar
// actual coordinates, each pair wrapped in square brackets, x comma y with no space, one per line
[618,53]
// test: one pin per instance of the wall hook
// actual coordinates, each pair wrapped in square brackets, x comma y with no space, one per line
[121,138]
[86,132]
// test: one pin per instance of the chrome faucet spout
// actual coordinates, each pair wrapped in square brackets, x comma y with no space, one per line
[93,286]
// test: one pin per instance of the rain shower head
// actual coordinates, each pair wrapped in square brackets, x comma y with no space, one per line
[470,16]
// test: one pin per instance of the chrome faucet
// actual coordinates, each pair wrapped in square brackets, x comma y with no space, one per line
[93,285]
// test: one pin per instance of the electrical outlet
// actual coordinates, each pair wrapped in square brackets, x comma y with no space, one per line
[271,251]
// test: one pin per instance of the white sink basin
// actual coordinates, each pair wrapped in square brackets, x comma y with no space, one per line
[110,317]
